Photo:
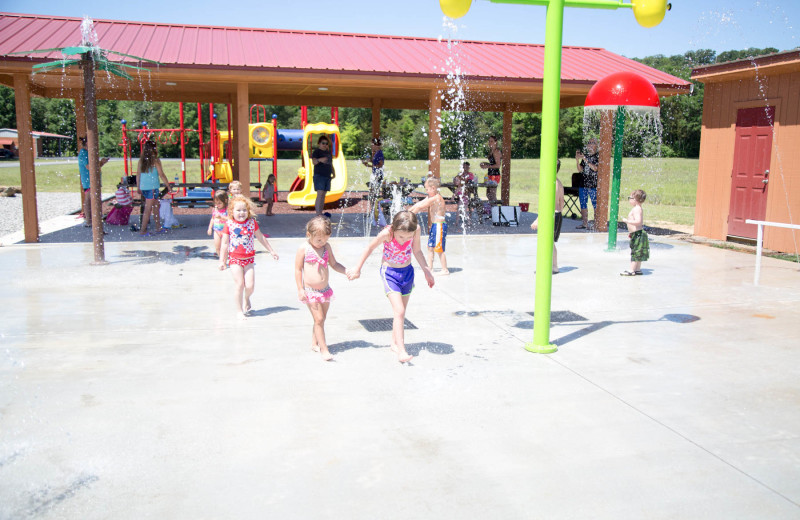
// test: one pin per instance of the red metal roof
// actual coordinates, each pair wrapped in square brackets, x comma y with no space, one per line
[274,49]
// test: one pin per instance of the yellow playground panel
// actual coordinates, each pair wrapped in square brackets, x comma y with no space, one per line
[261,147]
[306,196]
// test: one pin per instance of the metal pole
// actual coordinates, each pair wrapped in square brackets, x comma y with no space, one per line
[200,144]
[551,95]
[619,130]
[275,154]
[759,248]
[183,148]
[212,140]
[125,146]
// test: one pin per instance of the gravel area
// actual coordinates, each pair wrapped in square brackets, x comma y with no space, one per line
[50,205]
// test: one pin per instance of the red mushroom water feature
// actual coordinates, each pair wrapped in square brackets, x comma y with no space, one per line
[621,91]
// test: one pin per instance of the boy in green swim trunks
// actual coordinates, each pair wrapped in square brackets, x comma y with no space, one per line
[640,244]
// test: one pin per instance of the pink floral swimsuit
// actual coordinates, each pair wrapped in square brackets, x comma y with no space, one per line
[317,295]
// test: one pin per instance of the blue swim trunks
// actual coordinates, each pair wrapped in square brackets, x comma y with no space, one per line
[584,194]
[398,279]
[150,194]
[438,236]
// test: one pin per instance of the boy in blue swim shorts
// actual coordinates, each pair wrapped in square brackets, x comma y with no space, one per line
[437,236]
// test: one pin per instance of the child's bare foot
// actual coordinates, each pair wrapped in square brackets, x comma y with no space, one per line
[247,307]
[326,355]
[402,356]
[443,272]
[315,348]
[242,316]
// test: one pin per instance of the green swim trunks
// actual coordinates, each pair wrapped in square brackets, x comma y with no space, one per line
[640,246]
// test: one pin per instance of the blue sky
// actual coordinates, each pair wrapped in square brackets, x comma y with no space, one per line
[695,24]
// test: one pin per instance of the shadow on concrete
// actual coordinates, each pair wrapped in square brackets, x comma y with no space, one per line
[594,327]
[344,346]
[271,310]
[179,254]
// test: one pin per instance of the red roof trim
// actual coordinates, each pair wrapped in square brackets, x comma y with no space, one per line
[254,49]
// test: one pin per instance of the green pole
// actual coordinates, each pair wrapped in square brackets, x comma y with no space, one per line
[551,100]
[619,129]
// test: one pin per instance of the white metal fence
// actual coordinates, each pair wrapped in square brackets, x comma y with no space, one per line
[760,241]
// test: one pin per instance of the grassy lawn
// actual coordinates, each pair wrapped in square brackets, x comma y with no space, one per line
[671,184]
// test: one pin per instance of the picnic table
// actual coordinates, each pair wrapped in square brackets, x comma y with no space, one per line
[197,194]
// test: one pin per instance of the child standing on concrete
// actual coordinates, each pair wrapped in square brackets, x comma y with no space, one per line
[235,188]
[558,218]
[437,237]
[640,244]
[269,194]
[238,241]
[311,275]
[218,218]
[399,241]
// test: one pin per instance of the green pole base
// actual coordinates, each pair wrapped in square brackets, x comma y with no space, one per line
[610,249]
[540,349]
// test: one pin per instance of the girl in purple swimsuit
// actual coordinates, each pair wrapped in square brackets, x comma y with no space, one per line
[399,240]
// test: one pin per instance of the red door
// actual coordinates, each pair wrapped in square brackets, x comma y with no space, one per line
[750,176]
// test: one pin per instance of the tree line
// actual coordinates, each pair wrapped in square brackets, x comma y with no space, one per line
[404,131]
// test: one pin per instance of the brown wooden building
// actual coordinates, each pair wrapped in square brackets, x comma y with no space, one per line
[750,149]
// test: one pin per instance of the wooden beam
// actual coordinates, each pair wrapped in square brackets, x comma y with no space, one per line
[505,161]
[606,148]
[376,118]
[434,133]
[30,214]
[242,138]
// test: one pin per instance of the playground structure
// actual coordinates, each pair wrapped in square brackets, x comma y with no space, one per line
[265,141]
[302,192]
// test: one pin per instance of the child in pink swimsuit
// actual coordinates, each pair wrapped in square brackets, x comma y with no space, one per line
[400,241]
[218,218]
[311,275]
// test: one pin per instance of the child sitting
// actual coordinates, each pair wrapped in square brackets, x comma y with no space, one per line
[121,212]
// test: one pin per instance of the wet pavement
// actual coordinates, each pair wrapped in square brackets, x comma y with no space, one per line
[131,390]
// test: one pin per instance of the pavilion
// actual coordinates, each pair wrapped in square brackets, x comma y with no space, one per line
[243,66]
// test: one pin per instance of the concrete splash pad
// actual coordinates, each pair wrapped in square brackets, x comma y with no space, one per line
[132,391]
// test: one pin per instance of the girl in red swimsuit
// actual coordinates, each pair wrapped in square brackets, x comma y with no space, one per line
[238,244]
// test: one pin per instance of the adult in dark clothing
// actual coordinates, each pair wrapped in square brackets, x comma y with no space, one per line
[322,158]
[587,163]
[492,167]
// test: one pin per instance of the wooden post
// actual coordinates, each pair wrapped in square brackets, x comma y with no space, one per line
[242,133]
[30,215]
[376,118]
[505,168]
[434,133]
[604,170]
[90,103]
